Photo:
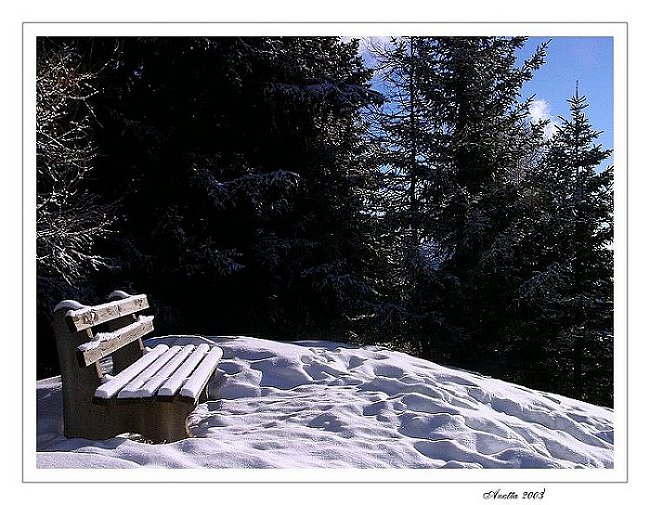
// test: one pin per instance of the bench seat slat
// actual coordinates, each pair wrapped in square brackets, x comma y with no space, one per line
[134,389]
[88,316]
[169,389]
[154,383]
[109,389]
[200,377]
[164,373]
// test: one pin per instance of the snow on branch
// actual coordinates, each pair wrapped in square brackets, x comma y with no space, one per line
[69,220]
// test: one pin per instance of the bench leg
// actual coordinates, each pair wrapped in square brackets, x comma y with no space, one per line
[159,421]
[94,422]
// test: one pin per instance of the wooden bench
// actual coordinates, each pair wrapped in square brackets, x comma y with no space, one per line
[148,391]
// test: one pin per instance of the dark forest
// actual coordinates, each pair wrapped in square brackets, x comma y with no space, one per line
[278,187]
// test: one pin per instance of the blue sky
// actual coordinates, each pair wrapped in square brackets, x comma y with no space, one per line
[588,60]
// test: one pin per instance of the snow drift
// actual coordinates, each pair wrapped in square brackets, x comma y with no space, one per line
[315,404]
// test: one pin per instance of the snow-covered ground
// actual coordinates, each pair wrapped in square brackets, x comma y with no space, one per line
[316,404]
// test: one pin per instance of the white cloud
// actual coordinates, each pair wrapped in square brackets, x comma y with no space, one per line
[366,45]
[540,110]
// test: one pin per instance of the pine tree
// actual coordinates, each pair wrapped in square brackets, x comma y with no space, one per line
[569,293]
[456,137]
[242,176]
[325,247]
[483,141]
[404,128]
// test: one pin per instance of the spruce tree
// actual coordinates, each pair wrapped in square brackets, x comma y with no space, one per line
[404,128]
[569,292]
[242,178]
[456,137]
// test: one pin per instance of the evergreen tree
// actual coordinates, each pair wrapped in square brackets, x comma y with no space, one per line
[324,247]
[568,295]
[483,142]
[405,126]
[243,175]
[456,136]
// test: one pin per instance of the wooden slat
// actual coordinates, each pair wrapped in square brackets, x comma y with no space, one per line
[153,384]
[134,389]
[169,389]
[109,389]
[200,377]
[105,343]
[89,316]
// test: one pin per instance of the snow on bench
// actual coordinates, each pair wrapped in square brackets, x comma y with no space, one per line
[150,391]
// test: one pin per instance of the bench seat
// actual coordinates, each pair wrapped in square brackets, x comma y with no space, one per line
[163,374]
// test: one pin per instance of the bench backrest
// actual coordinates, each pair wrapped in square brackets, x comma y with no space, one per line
[84,335]
[79,342]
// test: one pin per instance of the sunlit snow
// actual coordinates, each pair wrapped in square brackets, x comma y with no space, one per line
[316,404]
